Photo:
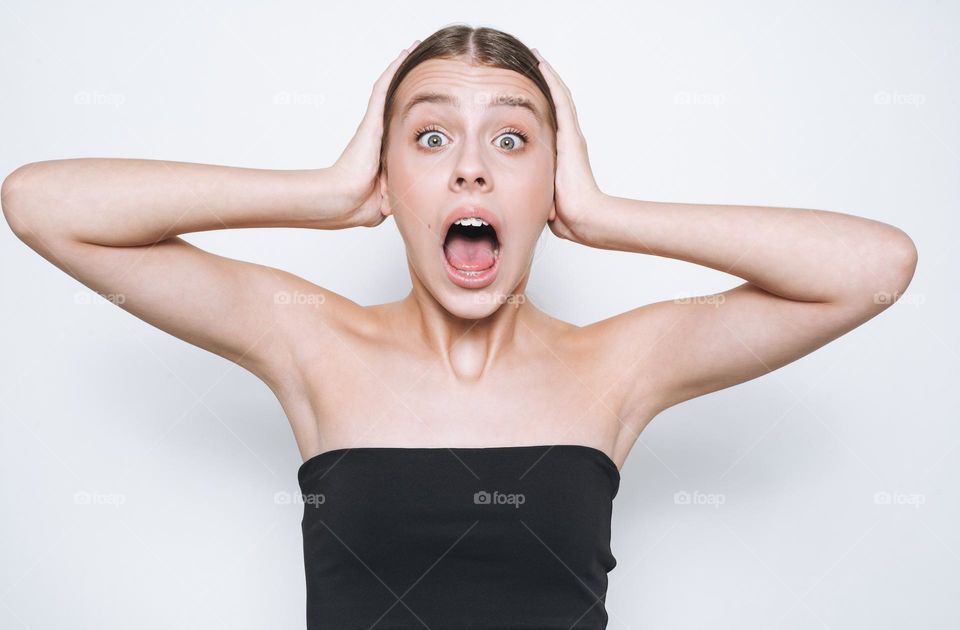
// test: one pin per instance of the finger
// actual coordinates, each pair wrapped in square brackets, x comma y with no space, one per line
[547,68]
[552,77]
[566,109]
[383,82]
[570,102]
[376,103]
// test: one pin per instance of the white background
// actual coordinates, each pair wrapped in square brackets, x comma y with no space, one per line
[840,106]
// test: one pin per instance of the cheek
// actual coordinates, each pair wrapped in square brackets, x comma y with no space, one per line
[531,188]
[417,197]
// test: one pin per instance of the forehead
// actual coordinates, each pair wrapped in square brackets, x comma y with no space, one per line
[454,83]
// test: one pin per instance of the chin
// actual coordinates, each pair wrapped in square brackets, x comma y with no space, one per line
[478,303]
[473,304]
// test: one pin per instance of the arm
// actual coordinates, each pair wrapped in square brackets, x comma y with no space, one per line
[811,276]
[113,225]
[130,202]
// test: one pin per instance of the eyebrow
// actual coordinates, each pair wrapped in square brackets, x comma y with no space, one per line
[498,100]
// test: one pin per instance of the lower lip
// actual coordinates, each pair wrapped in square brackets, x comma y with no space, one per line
[472,280]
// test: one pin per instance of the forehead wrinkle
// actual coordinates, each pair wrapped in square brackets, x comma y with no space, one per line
[498,100]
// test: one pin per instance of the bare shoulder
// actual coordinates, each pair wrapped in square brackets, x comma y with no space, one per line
[320,327]
[619,351]
[671,351]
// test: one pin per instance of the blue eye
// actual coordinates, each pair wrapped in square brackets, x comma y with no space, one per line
[432,135]
[511,146]
[516,140]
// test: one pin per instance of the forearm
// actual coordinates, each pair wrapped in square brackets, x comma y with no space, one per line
[123,202]
[801,254]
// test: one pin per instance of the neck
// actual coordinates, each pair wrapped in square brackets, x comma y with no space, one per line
[467,348]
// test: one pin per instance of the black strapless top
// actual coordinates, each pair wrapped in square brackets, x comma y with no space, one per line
[477,538]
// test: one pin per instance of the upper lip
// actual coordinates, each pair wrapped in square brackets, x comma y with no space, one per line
[471,210]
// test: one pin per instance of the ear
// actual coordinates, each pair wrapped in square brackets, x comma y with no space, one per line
[553,211]
[385,208]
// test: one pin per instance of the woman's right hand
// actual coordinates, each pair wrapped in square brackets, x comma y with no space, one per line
[356,171]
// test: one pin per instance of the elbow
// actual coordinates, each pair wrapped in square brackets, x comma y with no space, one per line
[26,202]
[895,273]
[13,195]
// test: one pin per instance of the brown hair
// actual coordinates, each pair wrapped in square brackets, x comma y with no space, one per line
[479,46]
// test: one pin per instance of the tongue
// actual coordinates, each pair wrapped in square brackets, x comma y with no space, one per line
[469,254]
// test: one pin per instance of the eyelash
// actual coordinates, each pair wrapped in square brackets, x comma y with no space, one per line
[512,130]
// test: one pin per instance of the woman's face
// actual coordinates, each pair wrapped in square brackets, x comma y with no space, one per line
[462,143]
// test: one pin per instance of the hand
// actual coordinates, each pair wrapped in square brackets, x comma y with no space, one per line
[356,170]
[576,192]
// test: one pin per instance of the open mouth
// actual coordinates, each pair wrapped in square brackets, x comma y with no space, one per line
[472,252]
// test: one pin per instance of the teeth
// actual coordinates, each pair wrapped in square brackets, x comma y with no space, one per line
[471,221]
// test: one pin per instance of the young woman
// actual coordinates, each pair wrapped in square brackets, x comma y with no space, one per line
[461,447]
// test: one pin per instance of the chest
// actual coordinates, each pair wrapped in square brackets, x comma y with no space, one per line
[384,395]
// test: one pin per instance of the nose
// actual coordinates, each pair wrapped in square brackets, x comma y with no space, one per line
[470,172]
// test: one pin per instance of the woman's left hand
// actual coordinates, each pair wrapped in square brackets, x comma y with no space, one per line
[576,193]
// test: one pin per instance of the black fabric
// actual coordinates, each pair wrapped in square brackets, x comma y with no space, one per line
[397,537]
